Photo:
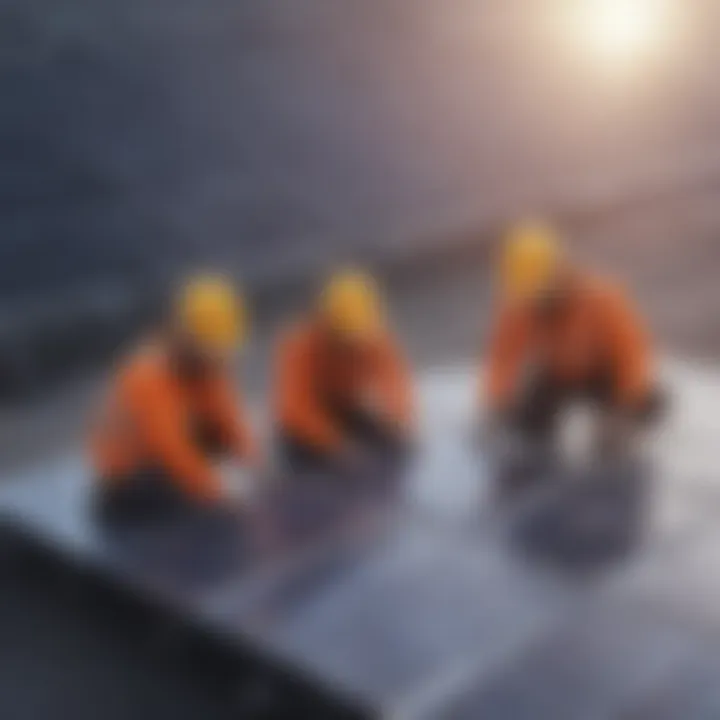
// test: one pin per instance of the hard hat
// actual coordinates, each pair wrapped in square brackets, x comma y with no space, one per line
[532,255]
[351,305]
[212,313]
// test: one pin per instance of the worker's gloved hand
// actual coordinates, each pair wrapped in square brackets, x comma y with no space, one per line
[380,416]
[402,435]
[210,494]
[653,408]
[623,431]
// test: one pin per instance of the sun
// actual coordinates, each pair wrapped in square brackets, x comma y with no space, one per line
[623,34]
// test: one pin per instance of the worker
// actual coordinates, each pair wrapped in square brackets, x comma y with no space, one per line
[563,335]
[342,389]
[172,410]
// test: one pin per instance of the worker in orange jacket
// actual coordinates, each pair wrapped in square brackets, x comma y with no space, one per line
[342,387]
[172,409]
[563,335]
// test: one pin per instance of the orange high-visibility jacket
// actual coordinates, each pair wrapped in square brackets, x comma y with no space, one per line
[599,330]
[148,419]
[306,376]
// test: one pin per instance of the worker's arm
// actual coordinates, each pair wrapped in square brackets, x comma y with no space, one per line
[394,384]
[163,431]
[228,411]
[504,358]
[630,348]
[298,408]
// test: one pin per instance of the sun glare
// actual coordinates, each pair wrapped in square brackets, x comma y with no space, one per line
[621,35]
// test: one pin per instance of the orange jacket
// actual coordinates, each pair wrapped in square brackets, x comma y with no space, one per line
[600,327]
[307,375]
[148,417]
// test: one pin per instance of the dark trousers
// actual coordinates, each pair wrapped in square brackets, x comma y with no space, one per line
[146,496]
[151,494]
[535,418]
[544,398]
[153,527]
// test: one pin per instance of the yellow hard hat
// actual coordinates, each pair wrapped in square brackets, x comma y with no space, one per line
[533,253]
[351,305]
[212,312]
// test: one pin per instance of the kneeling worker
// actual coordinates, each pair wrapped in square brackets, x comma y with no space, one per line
[342,388]
[563,335]
[171,410]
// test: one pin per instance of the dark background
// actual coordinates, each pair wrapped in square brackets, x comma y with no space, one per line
[275,138]
[141,137]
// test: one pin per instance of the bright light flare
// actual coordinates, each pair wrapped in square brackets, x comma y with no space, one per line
[624,35]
